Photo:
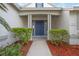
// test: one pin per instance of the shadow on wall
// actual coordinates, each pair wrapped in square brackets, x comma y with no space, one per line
[6,37]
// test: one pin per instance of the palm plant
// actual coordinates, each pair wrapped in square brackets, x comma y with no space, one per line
[2,20]
[4,23]
[3,7]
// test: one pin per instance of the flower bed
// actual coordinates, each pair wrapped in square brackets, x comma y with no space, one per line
[16,49]
[64,49]
[21,46]
[26,48]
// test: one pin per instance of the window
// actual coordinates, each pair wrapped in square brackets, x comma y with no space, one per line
[39,5]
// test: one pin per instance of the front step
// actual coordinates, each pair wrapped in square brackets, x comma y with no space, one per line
[39,37]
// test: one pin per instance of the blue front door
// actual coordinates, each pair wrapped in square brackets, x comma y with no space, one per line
[39,28]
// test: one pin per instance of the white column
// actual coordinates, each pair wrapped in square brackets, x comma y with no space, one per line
[49,24]
[30,23]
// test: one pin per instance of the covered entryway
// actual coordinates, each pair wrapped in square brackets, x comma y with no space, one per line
[39,28]
[41,21]
[39,25]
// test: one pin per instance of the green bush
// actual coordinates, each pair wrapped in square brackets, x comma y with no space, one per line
[12,50]
[23,34]
[57,36]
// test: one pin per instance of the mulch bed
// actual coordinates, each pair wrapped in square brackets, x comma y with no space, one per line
[64,49]
[25,48]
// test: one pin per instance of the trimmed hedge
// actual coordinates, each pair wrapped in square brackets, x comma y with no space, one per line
[23,34]
[57,36]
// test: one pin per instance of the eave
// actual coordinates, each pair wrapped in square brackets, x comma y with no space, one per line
[37,9]
[33,8]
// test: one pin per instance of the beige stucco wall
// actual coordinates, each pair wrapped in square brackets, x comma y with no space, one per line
[73,28]
[64,20]
[24,21]
[73,23]
[55,21]
[39,17]
[68,20]
[11,16]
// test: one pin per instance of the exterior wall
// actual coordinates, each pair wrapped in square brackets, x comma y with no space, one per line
[55,22]
[64,20]
[24,21]
[61,21]
[39,17]
[73,29]
[73,23]
[68,20]
[12,18]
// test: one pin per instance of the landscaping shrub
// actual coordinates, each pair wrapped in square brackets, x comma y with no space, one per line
[12,50]
[58,36]
[23,34]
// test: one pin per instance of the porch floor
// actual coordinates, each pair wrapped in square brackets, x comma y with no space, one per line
[39,48]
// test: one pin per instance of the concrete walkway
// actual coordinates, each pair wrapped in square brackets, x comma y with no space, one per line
[39,48]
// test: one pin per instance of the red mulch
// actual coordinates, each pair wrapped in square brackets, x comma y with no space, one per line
[64,49]
[25,48]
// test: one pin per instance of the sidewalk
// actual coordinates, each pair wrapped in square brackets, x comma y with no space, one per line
[39,48]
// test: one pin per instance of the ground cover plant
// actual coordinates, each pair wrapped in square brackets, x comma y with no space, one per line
[21,46]
[12,50]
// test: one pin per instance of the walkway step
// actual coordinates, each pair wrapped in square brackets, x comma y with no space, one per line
[39,48]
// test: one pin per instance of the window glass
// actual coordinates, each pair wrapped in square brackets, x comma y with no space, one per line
[39,5]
